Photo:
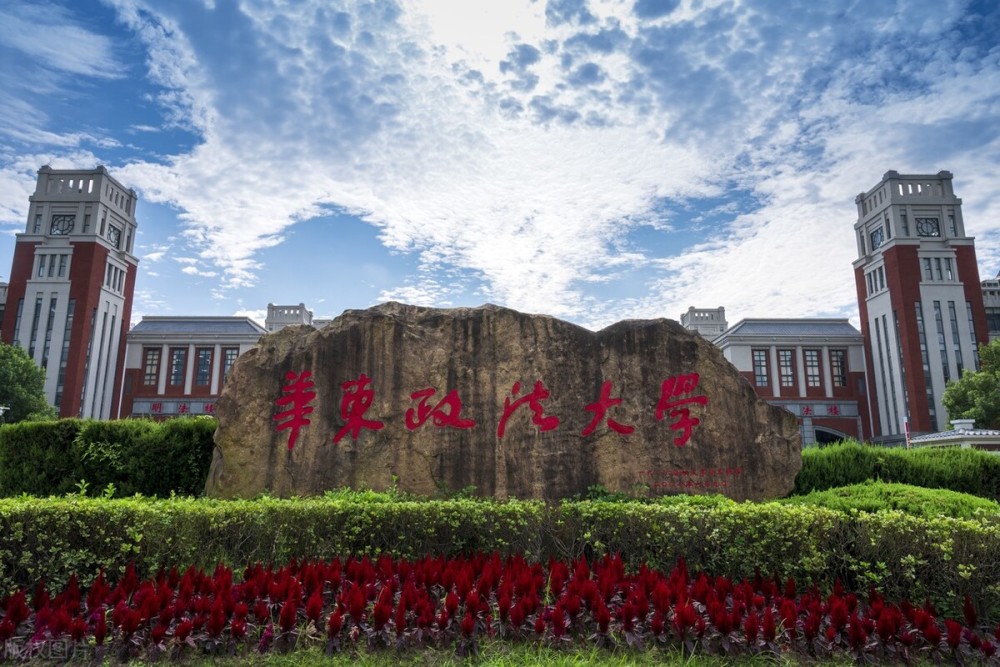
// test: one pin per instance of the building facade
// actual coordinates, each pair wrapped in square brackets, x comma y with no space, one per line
[991,302]
[69,299]
[176,366]
[814,368]
[706,322]
[919,297]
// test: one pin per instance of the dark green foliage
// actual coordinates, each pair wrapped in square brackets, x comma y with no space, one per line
[877,496]
[962,470]
[904,556]
[976,395]
[22,387]
[127,456]
[39,458]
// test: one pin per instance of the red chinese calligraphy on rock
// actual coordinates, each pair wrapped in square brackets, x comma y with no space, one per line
[534,401]
[447,412]
[600,409]
[298,396]
[674,394]
[353,406]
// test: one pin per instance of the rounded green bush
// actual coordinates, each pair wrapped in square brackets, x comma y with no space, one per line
[876,496]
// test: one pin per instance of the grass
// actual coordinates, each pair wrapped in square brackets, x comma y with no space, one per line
[491,654]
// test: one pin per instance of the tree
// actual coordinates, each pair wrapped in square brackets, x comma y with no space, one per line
[22,387]
[976,395]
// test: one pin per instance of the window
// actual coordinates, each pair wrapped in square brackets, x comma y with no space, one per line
[150,366]
[937,268]
[905,223]
[952,228]
[786,368]
[62,265]
[229,355]
[812,368]
[881,278]
[41,266]
[37,229]
[838,367]
[203,374]
[928,272]
[948,275]
[86,223]
[760,367]
[178,360]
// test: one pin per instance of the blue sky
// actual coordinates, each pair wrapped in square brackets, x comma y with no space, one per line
[593,160]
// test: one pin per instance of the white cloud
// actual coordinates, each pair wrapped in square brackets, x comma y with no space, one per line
[530,180]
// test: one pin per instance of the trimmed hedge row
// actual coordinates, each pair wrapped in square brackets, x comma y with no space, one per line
[941,559]
[964,470]
[875,496]
[135,455]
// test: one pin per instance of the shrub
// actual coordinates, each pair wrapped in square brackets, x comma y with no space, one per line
[134,455]
[941,559]
[877,496]
[955,469]
[39,458]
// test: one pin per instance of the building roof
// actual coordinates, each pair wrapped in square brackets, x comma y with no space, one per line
[796,327]
[221,326]
[957,436]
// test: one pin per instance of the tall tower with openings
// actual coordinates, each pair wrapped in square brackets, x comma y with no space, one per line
[919,297]
[71,283]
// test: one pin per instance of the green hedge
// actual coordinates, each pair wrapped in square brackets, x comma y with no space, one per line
[134,455]
[941,559]
[875,496]
[963,470]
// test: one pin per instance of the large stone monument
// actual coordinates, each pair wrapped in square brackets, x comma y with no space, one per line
[514,405]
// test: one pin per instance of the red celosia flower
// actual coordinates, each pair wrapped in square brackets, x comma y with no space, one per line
[517,614]
[954,630]
[750,627]
[769,627]
[334,625]
[987,647]
[969,610]
[158,632]
[184,629]
[932,633]
[838,613]
[100,626]
[468,625]
[856,634]
[288,615]
[7,630]
[558,621]
[314,607]
[657,624]
[539,625]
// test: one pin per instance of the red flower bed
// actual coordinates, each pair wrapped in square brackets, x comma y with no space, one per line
[455,602]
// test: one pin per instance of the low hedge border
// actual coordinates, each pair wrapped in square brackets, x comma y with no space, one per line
[940,559]
[964,470]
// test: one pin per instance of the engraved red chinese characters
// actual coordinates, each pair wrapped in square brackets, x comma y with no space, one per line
[447,412]
[297,393]
[534,401]
[353,406]
[674,393]
[600,409]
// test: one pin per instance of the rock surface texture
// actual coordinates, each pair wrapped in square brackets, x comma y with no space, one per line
[544,410]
